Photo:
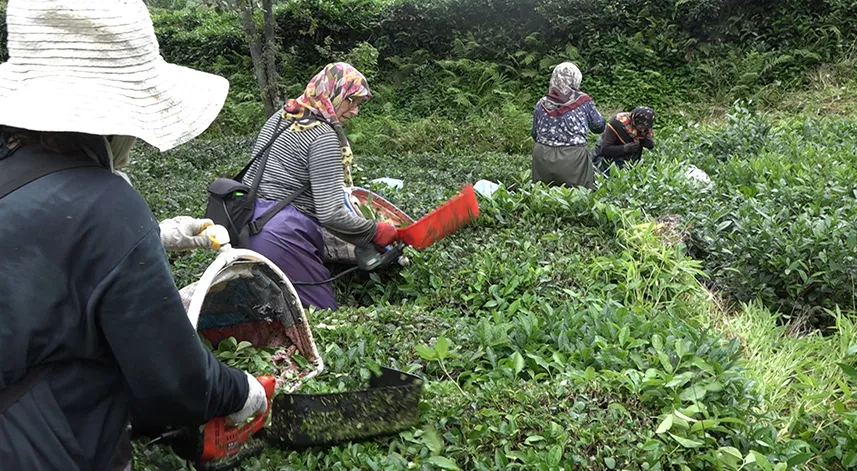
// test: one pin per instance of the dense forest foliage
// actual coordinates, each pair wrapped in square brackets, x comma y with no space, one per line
[454,59]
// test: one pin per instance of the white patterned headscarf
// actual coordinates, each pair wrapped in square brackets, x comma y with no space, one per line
[565,80]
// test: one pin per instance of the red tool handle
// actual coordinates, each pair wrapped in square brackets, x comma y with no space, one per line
[221,440]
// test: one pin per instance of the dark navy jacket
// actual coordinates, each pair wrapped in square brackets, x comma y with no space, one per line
[85,283]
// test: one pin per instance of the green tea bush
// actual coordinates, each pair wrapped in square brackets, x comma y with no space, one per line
[453,58]
[776,222]
[800,259]
[744,133]
[505,130]
[558,330]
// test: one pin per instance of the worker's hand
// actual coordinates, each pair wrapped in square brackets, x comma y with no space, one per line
[632,147]
[256,403]
[385,234]
[185,233]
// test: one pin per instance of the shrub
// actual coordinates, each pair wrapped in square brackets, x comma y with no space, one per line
[775,224]
[551,323]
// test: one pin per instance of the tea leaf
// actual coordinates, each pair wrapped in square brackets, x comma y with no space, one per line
[518,362]
[686,442]
[665,425]
[426,353]
[432,440]
[442,462]
[441,346]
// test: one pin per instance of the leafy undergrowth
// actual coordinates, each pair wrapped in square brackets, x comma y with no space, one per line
[803,378]
[776,221]
[560,331]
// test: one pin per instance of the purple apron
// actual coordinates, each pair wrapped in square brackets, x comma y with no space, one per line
[294,242]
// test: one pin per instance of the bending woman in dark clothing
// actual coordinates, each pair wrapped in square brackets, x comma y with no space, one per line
[625,137]
[562,121]
[313,149]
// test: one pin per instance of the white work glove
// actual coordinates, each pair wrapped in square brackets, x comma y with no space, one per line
[257,402]
[185,233]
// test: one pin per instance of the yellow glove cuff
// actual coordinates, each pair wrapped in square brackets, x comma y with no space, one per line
[215,245]
[204,227]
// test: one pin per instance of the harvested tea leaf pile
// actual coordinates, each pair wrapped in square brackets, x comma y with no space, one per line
[256,360]
[243,355]
[561,331]
[370,210]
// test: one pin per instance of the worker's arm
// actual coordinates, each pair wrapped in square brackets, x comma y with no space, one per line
[596,121]
[326,177]
[611,146]
[649,141]
[536,115]
[173,379]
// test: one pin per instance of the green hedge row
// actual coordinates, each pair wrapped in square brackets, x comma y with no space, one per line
[455,57]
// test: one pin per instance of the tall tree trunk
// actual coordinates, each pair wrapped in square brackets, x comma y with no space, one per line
[256,50]
[270,54]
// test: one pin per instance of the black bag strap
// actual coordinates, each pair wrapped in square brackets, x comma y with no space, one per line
[24,165]
[15,391]
[256,225]
[263,152]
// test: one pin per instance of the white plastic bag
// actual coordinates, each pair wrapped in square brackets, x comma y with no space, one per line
[391,182]
[697,174]
[486,188]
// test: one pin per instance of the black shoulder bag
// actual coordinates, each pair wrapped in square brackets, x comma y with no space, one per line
[231,203]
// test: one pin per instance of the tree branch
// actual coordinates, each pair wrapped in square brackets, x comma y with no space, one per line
[246,9]
[270,53]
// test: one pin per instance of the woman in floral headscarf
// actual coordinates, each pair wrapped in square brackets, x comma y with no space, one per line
[623,140]
[562,121]
[312,156]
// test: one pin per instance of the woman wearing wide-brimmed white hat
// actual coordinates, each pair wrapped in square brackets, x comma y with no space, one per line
[93,325]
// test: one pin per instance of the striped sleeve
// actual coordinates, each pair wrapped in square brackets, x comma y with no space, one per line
[326,176]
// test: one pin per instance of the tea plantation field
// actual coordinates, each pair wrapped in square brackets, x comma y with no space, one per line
[657,323]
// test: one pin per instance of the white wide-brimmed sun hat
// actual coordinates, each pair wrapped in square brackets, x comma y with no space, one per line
[94,67]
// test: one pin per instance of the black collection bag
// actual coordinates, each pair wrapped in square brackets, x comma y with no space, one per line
[231,203]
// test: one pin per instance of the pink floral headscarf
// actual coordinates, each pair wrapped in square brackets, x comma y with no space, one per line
[335,83]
